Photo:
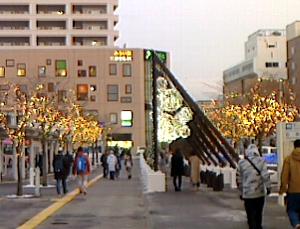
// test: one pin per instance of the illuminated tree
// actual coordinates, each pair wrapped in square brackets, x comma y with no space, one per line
[257,118]
[14,116]
[47,114]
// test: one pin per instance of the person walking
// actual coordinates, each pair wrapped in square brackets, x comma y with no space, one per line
[60,165]
[118,165]
[290,184]
[177,169]
[112,162]
[253,180]
[81,168]
[195,170]
[128,164]
[69,163]
[104,164]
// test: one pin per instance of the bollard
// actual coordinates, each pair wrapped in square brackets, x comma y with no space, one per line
[210,179]
[203,177]
[37,181]
[219,183]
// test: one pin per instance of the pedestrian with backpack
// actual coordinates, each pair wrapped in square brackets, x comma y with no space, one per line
[112,162]
[60,166]
[82,168]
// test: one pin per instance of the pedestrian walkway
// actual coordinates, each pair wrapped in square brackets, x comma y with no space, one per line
[124,204]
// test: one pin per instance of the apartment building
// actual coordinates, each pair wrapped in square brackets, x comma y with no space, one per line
[41,23]
[265,57]
[293,58]
[70,45]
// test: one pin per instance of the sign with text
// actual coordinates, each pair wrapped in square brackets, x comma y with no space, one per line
[122,56]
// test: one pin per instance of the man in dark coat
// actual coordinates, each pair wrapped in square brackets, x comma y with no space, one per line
[177,169]
[61,172]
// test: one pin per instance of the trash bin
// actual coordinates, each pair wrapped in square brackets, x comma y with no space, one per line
[219,183]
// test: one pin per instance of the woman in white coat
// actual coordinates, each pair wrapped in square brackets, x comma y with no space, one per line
[112,161]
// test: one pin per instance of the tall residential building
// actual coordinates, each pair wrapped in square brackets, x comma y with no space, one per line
[70,45]
[265,56]
[40,23]
[293,58]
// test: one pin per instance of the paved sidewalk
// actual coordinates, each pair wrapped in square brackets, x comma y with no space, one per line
[124,204]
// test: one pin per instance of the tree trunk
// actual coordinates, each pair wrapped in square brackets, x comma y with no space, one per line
[20,183]
[45,161]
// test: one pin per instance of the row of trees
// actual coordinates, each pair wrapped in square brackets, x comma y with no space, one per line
[21,112]
[255,117]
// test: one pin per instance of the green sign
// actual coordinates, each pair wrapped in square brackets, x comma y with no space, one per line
[148,54]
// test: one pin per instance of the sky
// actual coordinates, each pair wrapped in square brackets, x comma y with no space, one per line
[203,37]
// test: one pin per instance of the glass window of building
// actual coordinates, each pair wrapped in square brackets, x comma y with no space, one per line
[79,63]
[113,93]
[126,69]
[10,63]
[48,62]
[23,88]
[82,92]
[113,69]
[126,99]
[51,87]
[81,73]
[2,71]
[60,68]
[93,98]
[128,88]
[113,118]
[92,71]
[62,95]
[21,69]
[41,71]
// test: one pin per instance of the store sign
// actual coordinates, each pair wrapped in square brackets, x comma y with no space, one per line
[148,55]
[122,55]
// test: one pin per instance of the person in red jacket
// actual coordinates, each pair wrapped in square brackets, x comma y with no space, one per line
[81,168]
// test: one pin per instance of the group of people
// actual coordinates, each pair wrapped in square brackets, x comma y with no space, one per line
[112,163]
[253,180]
[62,165]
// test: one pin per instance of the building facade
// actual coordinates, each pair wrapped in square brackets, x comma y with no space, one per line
[70,45]
[293,58]
[265,57]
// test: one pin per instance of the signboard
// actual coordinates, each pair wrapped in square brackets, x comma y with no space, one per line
[122,56]
[148,55]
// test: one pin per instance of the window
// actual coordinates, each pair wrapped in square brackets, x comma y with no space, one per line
[292,50]
[41,71]
[10,63]
[21,69]
[293,65]
[2,71]
[48,62]
[62,95]
[92,71]
[126,118]
[60,68]
[128,89]
[113,93]
[93,87]
[82,92]
[113,118]
[126,99]
[271,45]
[23,88]
[275,64]
[126,69]
[81,73]
[294,80]
[268,64]
[51,87]
[93,98]
[79,63]
[112,69]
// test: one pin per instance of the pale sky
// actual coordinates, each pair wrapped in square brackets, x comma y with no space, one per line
[204,37]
